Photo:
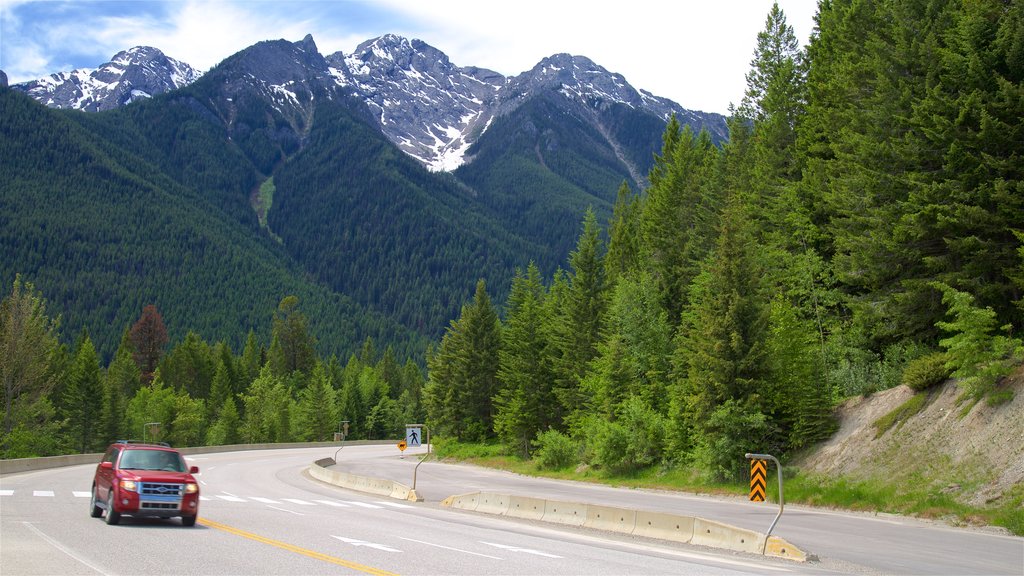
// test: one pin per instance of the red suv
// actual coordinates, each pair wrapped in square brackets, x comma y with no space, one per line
[144,480]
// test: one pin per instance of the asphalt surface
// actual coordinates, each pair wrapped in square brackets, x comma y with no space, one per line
[849,542]
[261,513]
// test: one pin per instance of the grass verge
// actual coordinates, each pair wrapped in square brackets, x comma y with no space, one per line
[906,498]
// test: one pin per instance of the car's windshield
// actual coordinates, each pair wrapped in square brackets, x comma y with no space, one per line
[152,460]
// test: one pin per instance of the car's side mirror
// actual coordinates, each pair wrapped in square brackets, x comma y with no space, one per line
[193,470]
[107,465]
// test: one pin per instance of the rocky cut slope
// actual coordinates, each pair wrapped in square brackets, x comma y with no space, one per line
[977,457]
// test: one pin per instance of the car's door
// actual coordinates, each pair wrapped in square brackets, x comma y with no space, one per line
[105,472]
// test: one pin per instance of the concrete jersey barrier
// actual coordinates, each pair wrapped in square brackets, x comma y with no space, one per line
[659,525]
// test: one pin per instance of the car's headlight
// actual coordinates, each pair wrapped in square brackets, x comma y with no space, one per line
[191,488]
[128,485]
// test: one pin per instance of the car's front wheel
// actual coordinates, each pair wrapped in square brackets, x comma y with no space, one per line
[113,516]
[94,510]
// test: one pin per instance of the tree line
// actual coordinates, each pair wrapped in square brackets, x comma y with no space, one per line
[60,399]
[860,228]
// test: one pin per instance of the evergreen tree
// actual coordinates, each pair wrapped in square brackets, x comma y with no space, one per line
[582,317]
[190,366]
[225,429]
[253,358]
[268,407]
[120,383]
[84,398]
[523,405]
[462,376]
[292,348]
[220,391]
[722,340]
[623,255]
[678,216]
[317,414]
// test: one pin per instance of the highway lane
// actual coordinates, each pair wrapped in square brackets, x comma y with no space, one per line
[863,542]
[261,514]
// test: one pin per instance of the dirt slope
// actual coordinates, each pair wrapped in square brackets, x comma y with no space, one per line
[974,457]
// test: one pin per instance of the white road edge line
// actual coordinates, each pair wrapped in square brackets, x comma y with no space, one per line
[449,548]
[61,547]
[518,549]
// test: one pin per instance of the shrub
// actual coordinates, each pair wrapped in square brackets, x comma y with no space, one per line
[926,372]
[554,450]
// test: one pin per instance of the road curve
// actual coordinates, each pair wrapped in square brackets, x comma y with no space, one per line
[860,543]
[261,513]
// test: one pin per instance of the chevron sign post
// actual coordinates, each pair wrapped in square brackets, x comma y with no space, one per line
[758,473]
[758,479]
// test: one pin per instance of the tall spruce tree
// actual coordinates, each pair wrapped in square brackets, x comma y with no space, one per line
[523,405]
[84,398]
[463,372]
[582,317]
[678,215]
[722,340]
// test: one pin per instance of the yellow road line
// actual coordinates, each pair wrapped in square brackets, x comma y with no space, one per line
[298,550]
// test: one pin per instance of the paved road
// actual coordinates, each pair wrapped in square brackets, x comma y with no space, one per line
[261,513]
[857,543]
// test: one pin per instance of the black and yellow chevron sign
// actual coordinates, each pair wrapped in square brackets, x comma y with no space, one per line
[758,476]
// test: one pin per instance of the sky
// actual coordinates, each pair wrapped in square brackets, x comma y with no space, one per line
[695,52]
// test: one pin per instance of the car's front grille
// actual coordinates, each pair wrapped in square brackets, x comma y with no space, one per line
[160,496]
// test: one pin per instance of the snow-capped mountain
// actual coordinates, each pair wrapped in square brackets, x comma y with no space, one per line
[429,107]
[139,72]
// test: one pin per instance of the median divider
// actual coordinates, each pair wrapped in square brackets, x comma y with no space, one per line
[525,507]
[658,525]
[570,513]
[378,486]
[664,526]
[611,519]
[719,535]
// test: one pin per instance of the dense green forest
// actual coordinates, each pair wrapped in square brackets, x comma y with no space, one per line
[862,227]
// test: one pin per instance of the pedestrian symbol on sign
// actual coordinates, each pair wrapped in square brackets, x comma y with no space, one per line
[414,438]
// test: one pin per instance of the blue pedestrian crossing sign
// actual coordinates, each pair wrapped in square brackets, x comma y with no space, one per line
[413,436]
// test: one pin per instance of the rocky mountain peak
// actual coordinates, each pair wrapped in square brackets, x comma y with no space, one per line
[424,103]
[138,72]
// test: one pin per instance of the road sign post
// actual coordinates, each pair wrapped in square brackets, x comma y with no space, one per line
[764,458]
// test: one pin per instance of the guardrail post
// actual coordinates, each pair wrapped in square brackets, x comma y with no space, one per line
[778,467]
